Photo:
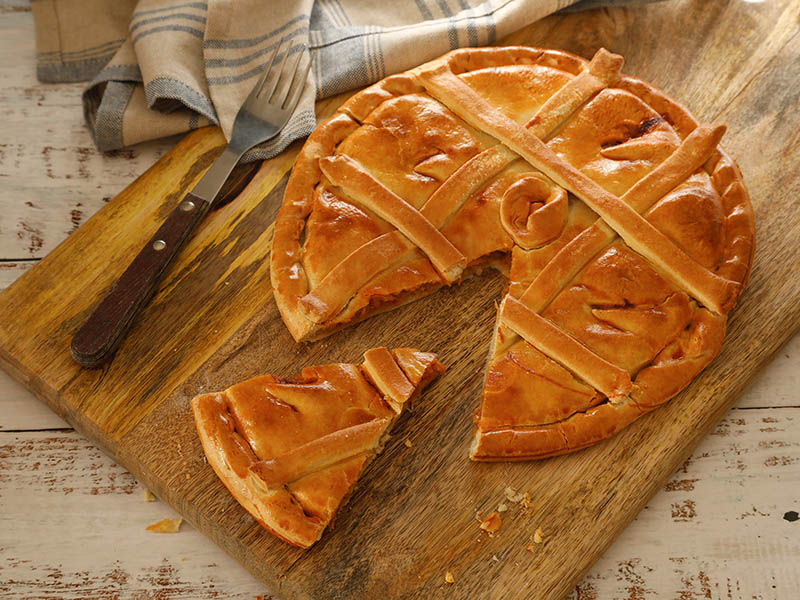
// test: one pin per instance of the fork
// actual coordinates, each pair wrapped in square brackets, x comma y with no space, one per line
[262,116]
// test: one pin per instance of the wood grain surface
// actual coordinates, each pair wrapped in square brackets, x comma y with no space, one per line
[213,323]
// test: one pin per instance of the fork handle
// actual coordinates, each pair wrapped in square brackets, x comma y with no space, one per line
[99,337]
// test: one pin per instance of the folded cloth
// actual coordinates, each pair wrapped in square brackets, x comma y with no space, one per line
[161,67]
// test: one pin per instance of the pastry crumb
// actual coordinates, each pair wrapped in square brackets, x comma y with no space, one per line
[166,526]
[408,443]
[536,538]
[448,577]
[182,559]
[149,496]
[492,523]
[526,501]
[502,507]
[494,558]
[188,477]
[513,495]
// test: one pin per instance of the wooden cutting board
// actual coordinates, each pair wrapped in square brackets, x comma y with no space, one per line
[412,518]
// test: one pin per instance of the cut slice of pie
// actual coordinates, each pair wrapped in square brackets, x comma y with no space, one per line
[291,450]
[625,231]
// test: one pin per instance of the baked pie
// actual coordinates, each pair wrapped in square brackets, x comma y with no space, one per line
[625,231]
[290,450]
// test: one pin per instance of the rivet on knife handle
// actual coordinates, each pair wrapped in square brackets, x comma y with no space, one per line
[99,337]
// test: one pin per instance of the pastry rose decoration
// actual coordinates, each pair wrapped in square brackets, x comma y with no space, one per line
[534,210]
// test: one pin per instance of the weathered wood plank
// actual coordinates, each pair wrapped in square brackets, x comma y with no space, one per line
[726,509]
[739,103]
[52,177]
[698,538]
[708,52]
[10,270]
[779,384]
[72,526]
[777,387]
[9,6]
[19,410]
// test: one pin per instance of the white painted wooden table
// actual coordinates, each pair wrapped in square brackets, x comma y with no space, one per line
[72,522]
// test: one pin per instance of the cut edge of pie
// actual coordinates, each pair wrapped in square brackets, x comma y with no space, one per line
[290,451]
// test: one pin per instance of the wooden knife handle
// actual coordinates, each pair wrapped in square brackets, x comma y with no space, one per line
[100,336]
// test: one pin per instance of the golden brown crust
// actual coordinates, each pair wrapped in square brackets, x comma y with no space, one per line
[344,172]
[419,367]
[386,375]
[346,278]
[580,430]
[680,361]
[534,211]
[290,451]
[289,282]
[435,170]
[693,152]
[739,220]
[564,349]
[472,175]
[316,455]
[231,457]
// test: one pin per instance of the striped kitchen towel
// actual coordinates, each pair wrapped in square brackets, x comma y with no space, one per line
[161,67]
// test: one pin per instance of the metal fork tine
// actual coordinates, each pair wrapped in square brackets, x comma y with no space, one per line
[294,95]
[261,80]
[294,75]
[278,72]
